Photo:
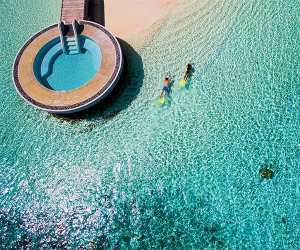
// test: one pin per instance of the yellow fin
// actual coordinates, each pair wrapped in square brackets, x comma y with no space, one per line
[182,83]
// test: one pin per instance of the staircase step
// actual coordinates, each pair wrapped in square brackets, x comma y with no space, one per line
[72,47]
[73,52]
[69,39]
[71,42]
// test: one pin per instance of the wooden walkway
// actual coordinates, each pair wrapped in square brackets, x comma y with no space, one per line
[74,9]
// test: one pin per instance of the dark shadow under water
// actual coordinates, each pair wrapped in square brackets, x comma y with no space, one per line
[96,11]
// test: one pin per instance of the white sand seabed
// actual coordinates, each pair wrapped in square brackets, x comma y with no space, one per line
[133,20]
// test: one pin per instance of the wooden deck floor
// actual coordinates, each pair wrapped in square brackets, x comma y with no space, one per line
[74,9]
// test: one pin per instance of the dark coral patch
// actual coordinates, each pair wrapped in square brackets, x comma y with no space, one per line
[266,173]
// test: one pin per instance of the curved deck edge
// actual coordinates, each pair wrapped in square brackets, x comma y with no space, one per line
[76,106]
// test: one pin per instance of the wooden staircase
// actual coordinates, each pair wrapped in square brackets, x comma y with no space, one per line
[72,11]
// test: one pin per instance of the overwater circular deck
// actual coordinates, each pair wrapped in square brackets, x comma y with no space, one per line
[72,100]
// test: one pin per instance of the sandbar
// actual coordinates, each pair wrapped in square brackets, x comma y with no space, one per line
[127,19]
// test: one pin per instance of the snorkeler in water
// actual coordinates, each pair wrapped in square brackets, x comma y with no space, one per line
[166,86]
[187,72]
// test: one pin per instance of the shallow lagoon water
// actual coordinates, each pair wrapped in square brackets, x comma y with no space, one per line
[184,176]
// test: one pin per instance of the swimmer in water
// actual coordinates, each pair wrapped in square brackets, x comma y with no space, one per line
[187,72]
[166,86]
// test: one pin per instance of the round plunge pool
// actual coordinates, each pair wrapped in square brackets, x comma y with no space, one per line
[61,71]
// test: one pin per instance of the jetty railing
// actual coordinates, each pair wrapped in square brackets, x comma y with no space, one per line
[61,28]
[75,26]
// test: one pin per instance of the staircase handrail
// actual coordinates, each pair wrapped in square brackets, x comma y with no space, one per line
[61,27]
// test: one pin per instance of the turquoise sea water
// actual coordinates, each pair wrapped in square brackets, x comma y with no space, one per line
[61,71]
[135,176]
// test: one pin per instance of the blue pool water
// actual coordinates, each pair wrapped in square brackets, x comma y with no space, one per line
[61,71]
[186,176]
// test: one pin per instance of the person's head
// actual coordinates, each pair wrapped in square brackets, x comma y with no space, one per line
[189,65]
[166,78]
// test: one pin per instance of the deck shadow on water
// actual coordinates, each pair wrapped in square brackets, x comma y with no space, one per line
[96,11]
[122,95]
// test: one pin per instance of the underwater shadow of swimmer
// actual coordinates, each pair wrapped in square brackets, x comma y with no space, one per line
[171,85]
[125,91]
[169,94]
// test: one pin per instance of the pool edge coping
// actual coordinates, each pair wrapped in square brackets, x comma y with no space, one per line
[76,107]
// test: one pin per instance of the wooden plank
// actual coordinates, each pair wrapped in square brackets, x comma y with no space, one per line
[73,9]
